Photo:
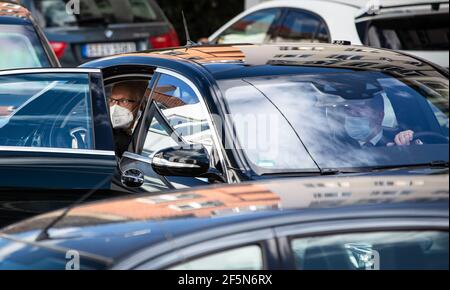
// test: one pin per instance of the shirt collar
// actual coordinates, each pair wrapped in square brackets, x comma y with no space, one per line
[374,140]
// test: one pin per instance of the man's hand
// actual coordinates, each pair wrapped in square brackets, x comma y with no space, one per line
[403,138]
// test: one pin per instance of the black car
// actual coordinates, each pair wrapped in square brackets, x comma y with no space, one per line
[22,42]
[349,223]
[93,29]
[219,114]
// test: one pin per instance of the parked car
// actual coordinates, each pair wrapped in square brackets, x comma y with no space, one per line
[102,28]
[416,27]
[22,42]
[352,223]
[218,114]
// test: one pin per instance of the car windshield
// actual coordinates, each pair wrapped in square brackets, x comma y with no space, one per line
[339,120]
[53,13]
[21,48]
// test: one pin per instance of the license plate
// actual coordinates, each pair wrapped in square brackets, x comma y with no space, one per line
[106,49]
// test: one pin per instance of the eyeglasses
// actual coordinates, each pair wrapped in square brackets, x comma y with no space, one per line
[121,101]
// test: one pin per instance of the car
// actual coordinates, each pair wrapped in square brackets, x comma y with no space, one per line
[22,42]
[98,29]
[416,27]
[218,114]
[323,223]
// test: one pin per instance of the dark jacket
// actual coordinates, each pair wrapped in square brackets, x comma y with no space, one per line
[122,140]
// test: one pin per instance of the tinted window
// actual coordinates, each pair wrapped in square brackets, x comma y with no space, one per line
[337,123]
[183,113]
[253,28]
[44,110]
[373,251]
[20,48]
[52,13]
[301,26]
[247,258]
[418,32]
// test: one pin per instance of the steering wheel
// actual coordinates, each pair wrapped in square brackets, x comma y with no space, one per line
[79,135]
[430,138]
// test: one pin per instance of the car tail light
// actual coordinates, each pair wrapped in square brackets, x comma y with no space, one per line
[169,39]
[59,48]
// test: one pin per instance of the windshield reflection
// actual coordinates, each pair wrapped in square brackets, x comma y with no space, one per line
[347,120]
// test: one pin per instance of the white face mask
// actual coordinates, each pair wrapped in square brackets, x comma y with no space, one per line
[358,127]
[121,117]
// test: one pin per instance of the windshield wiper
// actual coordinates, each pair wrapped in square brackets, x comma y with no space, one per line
[439,164]
[334,171]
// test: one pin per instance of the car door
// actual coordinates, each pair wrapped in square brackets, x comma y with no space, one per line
[176,115]
[366,244]
[55,139]
[300,25]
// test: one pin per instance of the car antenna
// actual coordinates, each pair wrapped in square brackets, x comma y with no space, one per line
[189,42]
[44,235]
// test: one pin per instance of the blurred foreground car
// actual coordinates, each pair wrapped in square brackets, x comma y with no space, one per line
[218,114]
[102,28]
[417,27]
[22,42]
[353,223]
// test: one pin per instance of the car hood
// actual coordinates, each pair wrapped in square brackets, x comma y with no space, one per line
[117,228]
[241,202]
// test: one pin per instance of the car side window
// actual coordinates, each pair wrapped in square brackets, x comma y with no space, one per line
[253,28]
[46,111]
[302,26]
[182,116]
[399,250]
[21,48]
[245,258]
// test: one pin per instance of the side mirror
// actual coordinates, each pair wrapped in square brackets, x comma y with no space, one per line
[186,161]
[132,178]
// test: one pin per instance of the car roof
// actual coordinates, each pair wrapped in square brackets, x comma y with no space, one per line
[130,223]
[294,3]
[11,13]
[353,3]
[248,60]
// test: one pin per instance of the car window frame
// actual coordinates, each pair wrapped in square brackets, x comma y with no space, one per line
[284,18]
[175,252]
[51,56]
[286,234]
[102,133]
[150,112]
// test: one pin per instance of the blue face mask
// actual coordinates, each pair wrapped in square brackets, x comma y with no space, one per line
[358,127]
